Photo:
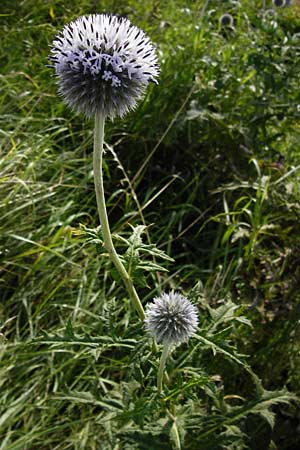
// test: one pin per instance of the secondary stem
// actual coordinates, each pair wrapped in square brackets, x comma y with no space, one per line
[106,233]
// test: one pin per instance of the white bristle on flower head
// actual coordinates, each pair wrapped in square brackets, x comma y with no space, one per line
[103,64]
[171,318]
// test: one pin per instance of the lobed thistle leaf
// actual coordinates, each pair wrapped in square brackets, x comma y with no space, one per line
[103,64]
[171,318]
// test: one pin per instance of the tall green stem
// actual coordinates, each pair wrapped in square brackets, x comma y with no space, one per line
[106,233]
[162,364]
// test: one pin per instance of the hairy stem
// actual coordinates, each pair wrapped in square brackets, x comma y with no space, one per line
[106,233]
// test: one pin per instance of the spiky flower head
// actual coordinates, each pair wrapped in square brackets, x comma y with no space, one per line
[103,64]
[226,20]
[171,318]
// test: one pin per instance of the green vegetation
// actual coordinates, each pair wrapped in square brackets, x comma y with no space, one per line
[210,162]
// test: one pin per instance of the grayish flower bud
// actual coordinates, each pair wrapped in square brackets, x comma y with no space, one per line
[103,64]
[171,318]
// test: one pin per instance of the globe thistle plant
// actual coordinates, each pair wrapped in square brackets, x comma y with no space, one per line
[103,66]
[171,319]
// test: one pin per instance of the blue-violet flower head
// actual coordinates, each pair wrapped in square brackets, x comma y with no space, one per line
[171,318]
[103,64]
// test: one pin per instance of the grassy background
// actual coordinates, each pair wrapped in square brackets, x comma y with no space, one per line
[212,156]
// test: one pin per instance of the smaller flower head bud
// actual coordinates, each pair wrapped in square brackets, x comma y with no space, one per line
[226,20]
[269,14]
[171,318]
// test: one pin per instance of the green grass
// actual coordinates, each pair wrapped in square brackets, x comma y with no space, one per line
[212,156]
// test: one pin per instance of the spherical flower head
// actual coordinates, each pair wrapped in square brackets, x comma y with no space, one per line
[171,318]
[226,20]
[103,64]
[279,3]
